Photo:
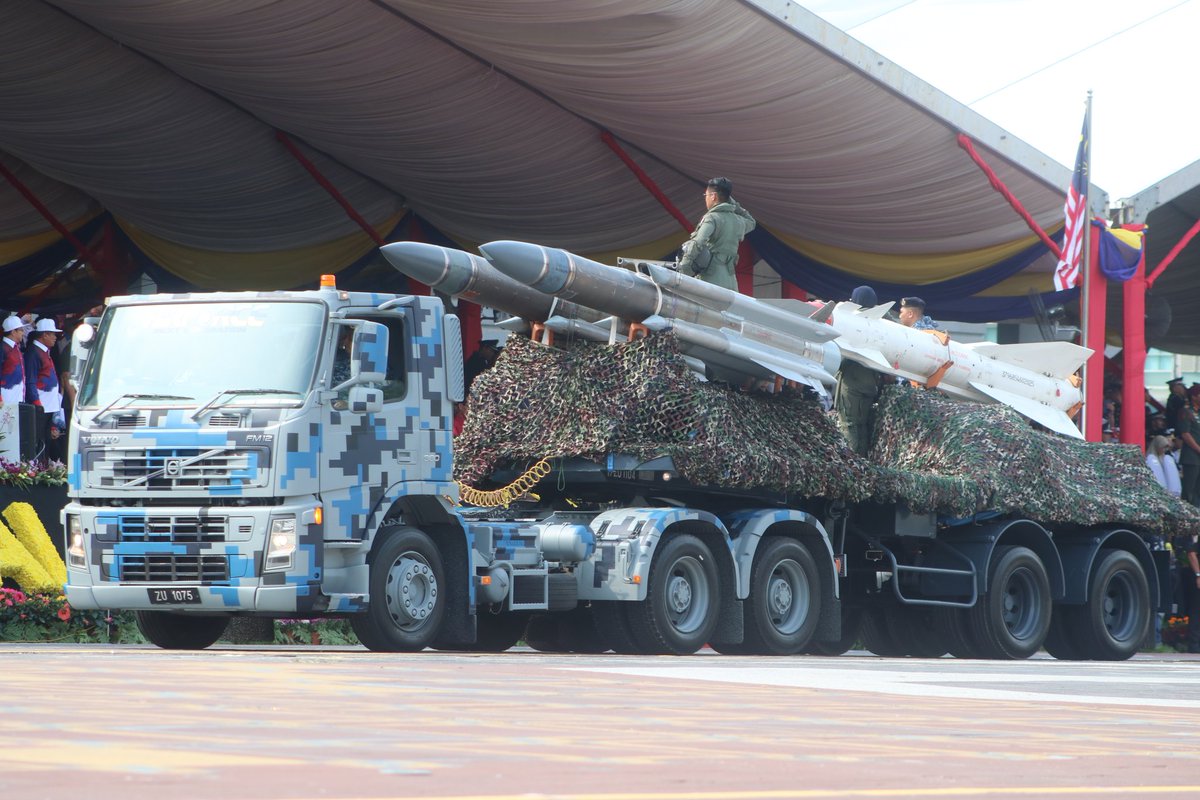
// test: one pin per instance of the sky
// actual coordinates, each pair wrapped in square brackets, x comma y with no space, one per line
[1140,60]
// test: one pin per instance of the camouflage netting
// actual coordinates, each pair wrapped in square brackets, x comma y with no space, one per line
[640,398]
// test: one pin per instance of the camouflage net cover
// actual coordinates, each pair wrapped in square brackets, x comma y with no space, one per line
[589,400]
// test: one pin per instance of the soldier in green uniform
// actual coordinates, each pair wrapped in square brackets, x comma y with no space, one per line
[857,390]
[710,254]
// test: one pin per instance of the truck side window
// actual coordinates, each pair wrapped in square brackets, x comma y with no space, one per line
[394,387]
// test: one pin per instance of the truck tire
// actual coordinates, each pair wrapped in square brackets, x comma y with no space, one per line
[612,624]
[877,636]
[852,618]
[408,600]
[915,630]
[571,631]
[954,627]
[1010,621]
[784,606]
[1062,639]
[494,633]
[172,631]
[1112,624]
[682,599]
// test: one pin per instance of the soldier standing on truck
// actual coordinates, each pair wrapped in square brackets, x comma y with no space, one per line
[711,252]
[857,390]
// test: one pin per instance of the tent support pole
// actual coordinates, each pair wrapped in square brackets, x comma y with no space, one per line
[325,184]
[645,180]
[1176,250]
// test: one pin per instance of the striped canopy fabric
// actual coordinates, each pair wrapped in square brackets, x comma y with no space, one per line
[483,119]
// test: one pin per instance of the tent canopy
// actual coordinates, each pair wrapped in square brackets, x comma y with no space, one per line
[484,119]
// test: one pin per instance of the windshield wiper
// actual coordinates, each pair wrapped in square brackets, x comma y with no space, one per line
[131,396]
[212,402]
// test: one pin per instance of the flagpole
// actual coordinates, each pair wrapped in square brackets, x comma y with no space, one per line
[1086,277]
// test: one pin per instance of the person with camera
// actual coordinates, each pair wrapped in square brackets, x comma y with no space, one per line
[711,252]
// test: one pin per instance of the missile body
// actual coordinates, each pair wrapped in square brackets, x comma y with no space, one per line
[804,349]
[1034,379]
[461,274]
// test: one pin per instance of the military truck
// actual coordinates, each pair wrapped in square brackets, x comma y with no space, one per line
[288,454]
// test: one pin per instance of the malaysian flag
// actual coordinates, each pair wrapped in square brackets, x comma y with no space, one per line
[1066,274]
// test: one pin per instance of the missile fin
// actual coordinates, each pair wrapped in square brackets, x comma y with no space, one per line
[876,312]
[823,313]
[788,374]
[1040,413]
[1056,359]
[874,356]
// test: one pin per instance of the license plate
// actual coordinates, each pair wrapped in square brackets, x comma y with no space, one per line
[184,594]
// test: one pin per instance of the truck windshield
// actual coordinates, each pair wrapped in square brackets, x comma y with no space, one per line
[185,353]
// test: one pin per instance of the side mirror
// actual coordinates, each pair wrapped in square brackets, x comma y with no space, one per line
[365,400]
[82,339]
[368,353]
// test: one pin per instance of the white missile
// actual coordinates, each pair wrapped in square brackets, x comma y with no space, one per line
[1033,379]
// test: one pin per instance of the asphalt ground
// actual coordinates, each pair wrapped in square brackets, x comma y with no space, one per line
[276,723]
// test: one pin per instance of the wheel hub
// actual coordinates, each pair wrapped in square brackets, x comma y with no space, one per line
[780,594]
[680,594]
[412,591]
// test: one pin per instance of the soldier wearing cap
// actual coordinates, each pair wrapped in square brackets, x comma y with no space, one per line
[857,390]
[710,254]
[41,381]
[12,367]
[1176,402]
[912,315]
[1189,432]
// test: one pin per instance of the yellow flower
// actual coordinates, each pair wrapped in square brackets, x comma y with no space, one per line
[17,563]
[25,525]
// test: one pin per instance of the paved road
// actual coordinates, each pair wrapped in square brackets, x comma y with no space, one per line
[273,723]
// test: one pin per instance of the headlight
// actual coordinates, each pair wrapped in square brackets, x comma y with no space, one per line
[75,554]
[281,544]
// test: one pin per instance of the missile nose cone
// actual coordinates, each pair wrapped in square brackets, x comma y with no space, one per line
[430,264]
[521,261]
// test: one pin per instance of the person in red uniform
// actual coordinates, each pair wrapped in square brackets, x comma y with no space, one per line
[41,385]
[12,366]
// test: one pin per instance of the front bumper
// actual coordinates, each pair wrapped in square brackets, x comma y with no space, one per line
[270,599]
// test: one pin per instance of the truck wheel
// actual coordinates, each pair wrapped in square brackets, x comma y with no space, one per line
[580,633]
[1113,624]
[407,586]
[915,631]
[494,633]
[612,625]
[1012,618]
[680,611]
[852,618]
[172,631]
[954,627]
[785,599]
[1062,638]
[877,636]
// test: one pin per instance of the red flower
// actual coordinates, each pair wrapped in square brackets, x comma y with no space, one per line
[64,613]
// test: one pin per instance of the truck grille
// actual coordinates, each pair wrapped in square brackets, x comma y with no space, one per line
[170,568]
[171,529]
[177,468]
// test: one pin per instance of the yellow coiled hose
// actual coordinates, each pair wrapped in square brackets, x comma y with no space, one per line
[504,497]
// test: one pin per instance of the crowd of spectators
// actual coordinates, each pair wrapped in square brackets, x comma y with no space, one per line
[34,370]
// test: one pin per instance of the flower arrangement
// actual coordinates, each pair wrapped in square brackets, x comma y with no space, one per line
[37,617]
[25,474]
[1174,631]
[314,631]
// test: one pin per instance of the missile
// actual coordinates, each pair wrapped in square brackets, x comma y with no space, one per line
[789,317]
[461,274]
[804,349]
[1033,379]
